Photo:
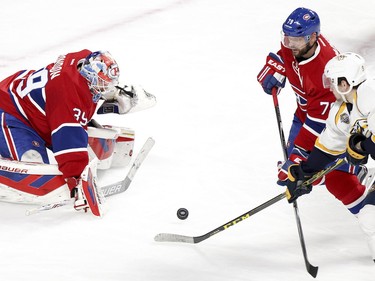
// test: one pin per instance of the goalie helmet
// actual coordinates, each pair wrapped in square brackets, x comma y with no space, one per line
[348,66]
[302,22]
[102,73]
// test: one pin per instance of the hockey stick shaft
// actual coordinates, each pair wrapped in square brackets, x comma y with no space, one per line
[279,123]
[107,190]
[170,237]
[313,270]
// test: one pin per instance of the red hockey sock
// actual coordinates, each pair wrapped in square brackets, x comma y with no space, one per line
[344,186]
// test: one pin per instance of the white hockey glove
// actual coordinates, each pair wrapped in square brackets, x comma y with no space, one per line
[126,100]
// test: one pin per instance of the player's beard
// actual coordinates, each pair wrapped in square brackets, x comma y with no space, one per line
[299,53]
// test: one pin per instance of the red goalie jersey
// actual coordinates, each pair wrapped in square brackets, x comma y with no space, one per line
[56,103]
[314,101]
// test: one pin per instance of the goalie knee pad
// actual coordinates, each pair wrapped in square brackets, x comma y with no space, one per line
[32,155]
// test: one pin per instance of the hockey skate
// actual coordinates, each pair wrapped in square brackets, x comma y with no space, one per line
[366,218]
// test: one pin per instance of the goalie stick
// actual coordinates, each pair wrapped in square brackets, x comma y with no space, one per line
[123,185]
[170,237]
[108,190]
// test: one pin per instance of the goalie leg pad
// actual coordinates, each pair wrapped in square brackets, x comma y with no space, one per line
[12,195]
[113,146]
[124,146]
[93,194]
[33,178]
[102,143]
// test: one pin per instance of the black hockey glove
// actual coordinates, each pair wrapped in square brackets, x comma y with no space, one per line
[295,187]
[354,151]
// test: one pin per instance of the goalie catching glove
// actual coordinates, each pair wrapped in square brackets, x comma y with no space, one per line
[296,178]
[126,100]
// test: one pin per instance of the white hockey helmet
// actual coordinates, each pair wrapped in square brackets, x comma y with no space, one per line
[101,72]
[349,66]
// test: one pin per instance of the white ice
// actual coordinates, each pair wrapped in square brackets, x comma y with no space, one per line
[216,150]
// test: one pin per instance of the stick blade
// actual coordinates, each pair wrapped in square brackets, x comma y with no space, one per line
[312,270]
[170,237]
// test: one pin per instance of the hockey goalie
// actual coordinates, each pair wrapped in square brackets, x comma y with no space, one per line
[49,112]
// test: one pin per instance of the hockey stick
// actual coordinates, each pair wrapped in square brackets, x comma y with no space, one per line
[312,270]
[170,237]
[107,190]
[123,185]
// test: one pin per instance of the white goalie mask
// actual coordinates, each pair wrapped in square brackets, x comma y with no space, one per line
[101,72]
[347,65]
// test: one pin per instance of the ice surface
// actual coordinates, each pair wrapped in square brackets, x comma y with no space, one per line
[216,148]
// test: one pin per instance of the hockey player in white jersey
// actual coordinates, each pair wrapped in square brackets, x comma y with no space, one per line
[350,127]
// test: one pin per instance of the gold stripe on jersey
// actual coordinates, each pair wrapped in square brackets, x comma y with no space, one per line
[355,97]
[326,150]
[338,114]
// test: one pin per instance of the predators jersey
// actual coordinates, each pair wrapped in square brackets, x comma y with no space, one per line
[345,119]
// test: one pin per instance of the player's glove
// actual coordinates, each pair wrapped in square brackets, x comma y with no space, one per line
[272,74]
[127,100]
[296,156]
[354,151]
[121,101]
[295,187]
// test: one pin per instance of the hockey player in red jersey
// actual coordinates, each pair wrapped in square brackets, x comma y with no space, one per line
[303,55]
[350,126]
[51,108]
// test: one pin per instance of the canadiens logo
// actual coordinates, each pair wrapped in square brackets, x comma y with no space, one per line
[306,17]
[35,143]
[344,118]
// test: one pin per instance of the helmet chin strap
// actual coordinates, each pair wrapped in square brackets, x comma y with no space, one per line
[345,94]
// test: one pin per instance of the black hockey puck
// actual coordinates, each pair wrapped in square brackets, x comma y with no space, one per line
[182,213]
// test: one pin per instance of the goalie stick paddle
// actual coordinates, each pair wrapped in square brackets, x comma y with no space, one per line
[123,185]
[170,237]
[108,190]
